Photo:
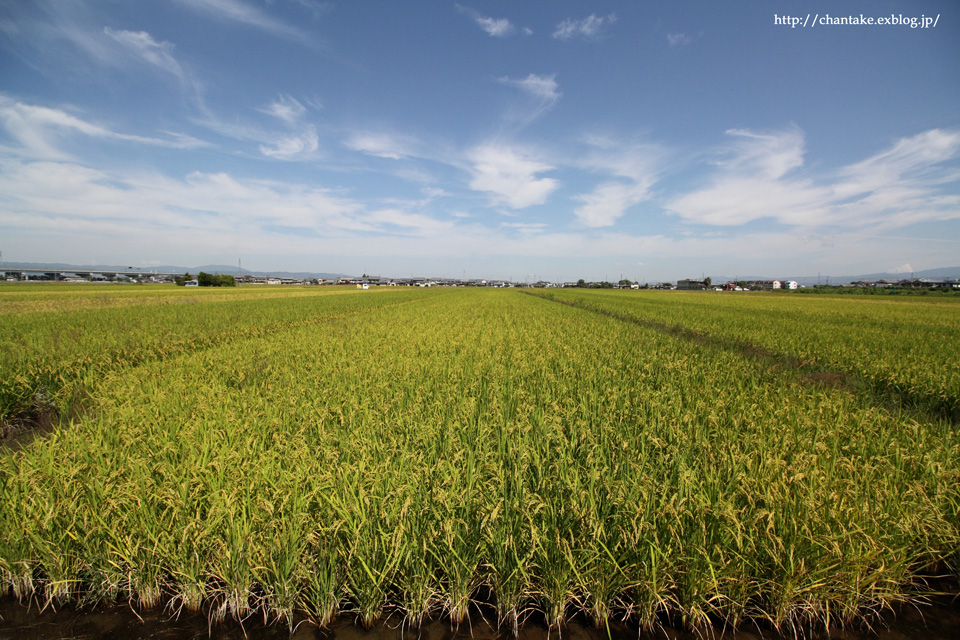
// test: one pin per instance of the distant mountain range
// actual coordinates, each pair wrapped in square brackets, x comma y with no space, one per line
[933,274]
[206,268]
[943,273]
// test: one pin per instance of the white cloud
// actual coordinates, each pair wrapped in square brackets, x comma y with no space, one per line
[525,227]
[770,155]
[608,202]
[300,143]
[637,162]
[542,92]
[590,28]
[73,22]
[381,145]
[495,27]
[68,206]
[159,54]
[895,188]
[243,13]
[678,39]
[737,200]
[417,223]
[40,129]
[75,195]
[293,147]
[510,176]
[541,87]
[285,108]
[909,158]
[433,192]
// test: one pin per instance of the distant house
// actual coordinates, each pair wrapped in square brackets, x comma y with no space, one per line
[874,284]
[927,283]
[694,285]
[788,284]
[763,285]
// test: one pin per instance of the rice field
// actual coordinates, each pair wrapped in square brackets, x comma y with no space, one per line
[690,459]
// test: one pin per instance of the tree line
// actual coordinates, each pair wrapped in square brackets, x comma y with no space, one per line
[206,280]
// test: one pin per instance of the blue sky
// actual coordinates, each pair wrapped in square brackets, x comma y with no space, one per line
[525,140]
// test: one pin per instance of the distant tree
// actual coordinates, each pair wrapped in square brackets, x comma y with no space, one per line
[706,281]
[581,283]
[210,280]
[182,280]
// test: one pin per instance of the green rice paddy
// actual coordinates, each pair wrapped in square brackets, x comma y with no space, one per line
[660,457]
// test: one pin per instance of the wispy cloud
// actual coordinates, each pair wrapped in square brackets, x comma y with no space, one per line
[608,202]
[404,222]
[624,157]
[767,154]
[678,39]
[288,223]
[755,178]
[636,165]
[915,157]
[156,54]
[77,195]
[39,130]
[510,176]
[382,145]
[300,142]
[41,36]
[525,227]
[495,27]
[251,16]
[298,146]
[141,43]
[542,91]
[541,87]
[285,108]
[176,215]
[592,27]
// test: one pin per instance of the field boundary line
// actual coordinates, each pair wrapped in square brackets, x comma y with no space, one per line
[882,391]
[28,419]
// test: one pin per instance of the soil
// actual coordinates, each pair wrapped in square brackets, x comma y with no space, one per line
[937,621]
